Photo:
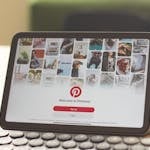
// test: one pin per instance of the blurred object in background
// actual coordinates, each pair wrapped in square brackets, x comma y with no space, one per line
[106,21]
[60,15]
[112,15]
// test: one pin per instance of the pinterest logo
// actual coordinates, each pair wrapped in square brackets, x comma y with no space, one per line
[75,91]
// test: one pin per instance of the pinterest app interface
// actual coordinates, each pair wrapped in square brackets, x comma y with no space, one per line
[86,81]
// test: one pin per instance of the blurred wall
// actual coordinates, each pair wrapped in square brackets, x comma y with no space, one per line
[13,18]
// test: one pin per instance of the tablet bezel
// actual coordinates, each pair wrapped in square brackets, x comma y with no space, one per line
[71,128]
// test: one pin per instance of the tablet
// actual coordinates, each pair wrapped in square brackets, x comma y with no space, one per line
[80,82]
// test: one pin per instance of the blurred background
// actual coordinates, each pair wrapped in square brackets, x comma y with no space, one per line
[60,15]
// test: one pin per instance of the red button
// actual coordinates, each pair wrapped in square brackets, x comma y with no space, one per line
[73,109]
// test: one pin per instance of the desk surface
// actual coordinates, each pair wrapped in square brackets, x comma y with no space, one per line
[4,55]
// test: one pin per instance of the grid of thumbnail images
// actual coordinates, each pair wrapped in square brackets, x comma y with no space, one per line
[91,62]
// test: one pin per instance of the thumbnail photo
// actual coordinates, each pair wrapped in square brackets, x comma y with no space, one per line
[124,49]
[122,81]
[50,62]
[82,39]
[49,77]
[109,59]
[140,46]
[25,42]
[64,65]
[137,81]
[39,43]
[76,82]
[67,46]
[126,40]
[78,68]
[92,77]
[123,66]
[110,44]
[107,80]
[52,47]
[138,63]
[37,58]
[23,55]
[94,60]
[21,72]
[96,44]
[80,50]
[34,76]
[63,81]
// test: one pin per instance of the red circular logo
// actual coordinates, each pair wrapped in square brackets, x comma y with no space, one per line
[75,91]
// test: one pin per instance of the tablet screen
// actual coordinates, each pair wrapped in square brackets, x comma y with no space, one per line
[79,81]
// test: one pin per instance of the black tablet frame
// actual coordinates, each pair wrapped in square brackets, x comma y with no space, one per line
[72,128]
